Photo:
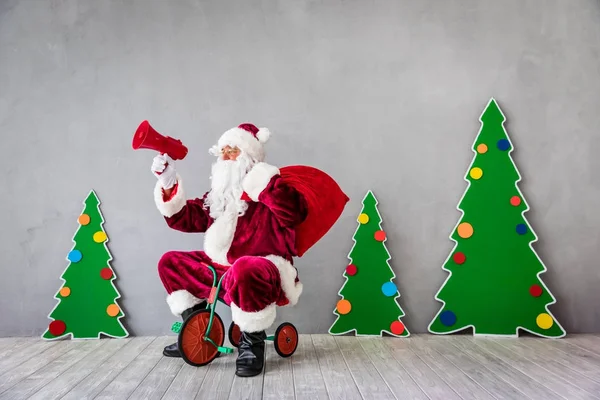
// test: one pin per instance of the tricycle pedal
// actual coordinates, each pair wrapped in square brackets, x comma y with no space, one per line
[226,350]
[176,327]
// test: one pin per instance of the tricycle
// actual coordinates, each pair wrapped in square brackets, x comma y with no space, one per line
[202,335]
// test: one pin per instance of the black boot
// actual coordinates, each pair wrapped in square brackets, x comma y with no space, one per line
[172,350]
[251,356]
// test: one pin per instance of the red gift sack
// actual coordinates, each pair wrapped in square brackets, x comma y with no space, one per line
[324,198]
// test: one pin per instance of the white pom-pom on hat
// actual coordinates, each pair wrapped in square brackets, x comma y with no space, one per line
[263,135]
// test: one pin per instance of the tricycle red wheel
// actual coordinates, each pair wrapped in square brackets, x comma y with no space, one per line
[235,334]
[193,348]
[286,339]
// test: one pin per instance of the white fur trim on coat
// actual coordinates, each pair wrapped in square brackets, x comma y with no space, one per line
[254,321]
[257,179]
[287,275]
[173,206]
[243,140]
[218,238]
[181,300]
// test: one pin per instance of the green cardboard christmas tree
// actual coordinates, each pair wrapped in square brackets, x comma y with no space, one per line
[369,297]
[494,283]
[87,301]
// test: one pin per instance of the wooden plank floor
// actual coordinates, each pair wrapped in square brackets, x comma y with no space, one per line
[423,367]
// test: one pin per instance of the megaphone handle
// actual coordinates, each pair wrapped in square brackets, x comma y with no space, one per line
[166,165]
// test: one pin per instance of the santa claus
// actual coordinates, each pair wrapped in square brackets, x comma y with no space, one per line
[249,218]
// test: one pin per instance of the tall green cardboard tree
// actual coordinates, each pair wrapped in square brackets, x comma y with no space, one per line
[494,283]
[369,297]
[87,301]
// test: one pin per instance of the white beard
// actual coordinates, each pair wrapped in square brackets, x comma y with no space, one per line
[226,186]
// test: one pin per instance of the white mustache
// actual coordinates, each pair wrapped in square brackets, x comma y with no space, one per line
[226,186]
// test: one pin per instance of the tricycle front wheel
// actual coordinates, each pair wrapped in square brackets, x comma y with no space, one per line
[194,349]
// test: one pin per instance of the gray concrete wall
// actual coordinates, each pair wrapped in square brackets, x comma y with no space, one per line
[383,95]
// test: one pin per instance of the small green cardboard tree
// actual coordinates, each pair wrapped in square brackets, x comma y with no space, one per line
[87,305]
[368,305]
[494,284]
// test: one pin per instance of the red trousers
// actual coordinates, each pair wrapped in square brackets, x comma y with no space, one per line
[253,286]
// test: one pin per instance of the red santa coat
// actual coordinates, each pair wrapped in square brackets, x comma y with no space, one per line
[267,229]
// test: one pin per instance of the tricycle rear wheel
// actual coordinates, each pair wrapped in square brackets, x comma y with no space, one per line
[235,334]
[286,339]
[193,348]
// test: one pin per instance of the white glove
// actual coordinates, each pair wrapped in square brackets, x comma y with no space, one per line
[163,167]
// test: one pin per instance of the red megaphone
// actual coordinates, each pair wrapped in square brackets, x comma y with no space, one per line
[147,138]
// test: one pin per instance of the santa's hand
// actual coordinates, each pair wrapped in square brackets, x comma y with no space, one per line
[163,167]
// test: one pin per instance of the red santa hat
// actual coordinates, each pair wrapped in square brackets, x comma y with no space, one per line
[248,138]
